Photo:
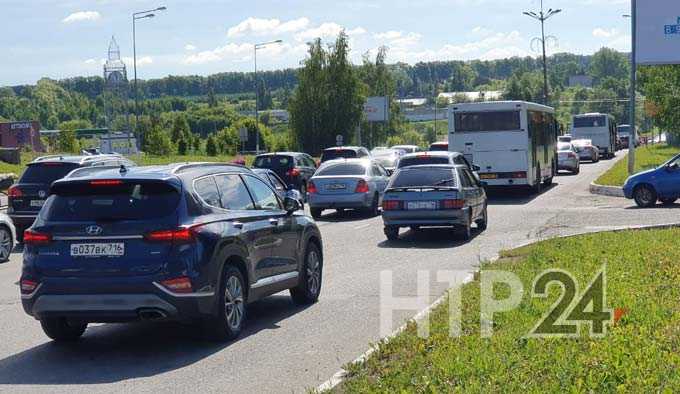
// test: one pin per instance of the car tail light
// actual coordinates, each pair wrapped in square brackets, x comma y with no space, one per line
[293,173]
[28,286]
[178,236]
[572,155]
[391,205]
[311,188]
[181,285]
[36,238]
[15,192]
[519,175]
[452,204]
[106,182]
[362,187]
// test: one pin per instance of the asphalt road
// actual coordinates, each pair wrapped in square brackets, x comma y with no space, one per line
[287,348]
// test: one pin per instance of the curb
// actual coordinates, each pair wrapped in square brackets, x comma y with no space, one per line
[339,376]
[609,191]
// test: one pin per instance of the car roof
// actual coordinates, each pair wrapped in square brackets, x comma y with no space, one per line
[433,154]
[363,161]
[282,154]
[344,148]
[76,159]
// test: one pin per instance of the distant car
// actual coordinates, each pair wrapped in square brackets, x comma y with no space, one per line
[567,158]
[379,149]
[344,152]
[195,243]
[434,196]
[564,138]
[284,191]
[439,147]
[294,168]
[586,150]
[8,236]
[407,148]
[659,184]
[423,158]
[347,184]
[27,196]
[388,158]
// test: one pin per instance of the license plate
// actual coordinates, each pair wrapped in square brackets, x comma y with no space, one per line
[37,203]
[488,176]
[336,186]
[421,205]
[98,250]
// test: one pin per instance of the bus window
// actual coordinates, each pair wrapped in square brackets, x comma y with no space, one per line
[470,122]
[589,121]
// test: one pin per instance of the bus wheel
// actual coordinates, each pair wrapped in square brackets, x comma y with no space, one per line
[538,187]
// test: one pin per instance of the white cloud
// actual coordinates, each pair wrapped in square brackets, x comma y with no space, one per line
[388,35]
[262,27]
[189,47]
[325,30]
[91,61]
[141,61]
[397,39]
[82,16]
[230,50]
[605,33]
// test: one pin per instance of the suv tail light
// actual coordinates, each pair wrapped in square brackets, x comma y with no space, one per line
[362,187]
[391,205]
[311,188]
[36,238]
[106,182]
[453,204]
[28,286]
[178,236]
[15,192]
[519,175]
[293,172]
[181,285]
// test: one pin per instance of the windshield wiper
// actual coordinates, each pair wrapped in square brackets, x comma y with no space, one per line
[444,182]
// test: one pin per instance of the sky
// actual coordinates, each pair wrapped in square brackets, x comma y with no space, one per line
[66,38]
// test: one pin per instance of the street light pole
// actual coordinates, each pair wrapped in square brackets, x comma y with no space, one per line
[633,89]
[135,17]
[542,17]
[257,93]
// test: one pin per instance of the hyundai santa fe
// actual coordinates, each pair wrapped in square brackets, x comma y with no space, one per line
[191,242]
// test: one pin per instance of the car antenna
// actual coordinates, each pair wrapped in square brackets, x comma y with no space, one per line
[123,170]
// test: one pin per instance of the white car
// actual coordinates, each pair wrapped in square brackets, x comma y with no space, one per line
[8,236]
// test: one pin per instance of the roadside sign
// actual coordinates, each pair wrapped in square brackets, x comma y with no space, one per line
[376,109]
[243,134]
[339,140]
[657,32]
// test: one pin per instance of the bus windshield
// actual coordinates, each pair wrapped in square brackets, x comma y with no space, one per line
[590,121]
[471,122]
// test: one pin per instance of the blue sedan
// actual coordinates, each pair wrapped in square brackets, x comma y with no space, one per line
[660,184]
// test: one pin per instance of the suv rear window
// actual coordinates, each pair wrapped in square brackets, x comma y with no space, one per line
[128,201]
[428,176]
[274,162]
[338,154]
[342,170]
[422,160]
[46,173]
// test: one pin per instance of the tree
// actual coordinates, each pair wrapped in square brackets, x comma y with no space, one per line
[180,128]
[182,146]
[67,142]
[157,142]
[211,146]
[609,63]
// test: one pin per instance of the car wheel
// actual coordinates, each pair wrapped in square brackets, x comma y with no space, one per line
[316,212]
[231,316]
[392,233]
[6,244]
[483,223]
[303,192]
[308,290]
[668,201]
[645,196]
[374,210]
[577,170]
[465,232]
[61,330]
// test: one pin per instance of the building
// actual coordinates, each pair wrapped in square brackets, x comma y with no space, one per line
[456,97]
[20,134]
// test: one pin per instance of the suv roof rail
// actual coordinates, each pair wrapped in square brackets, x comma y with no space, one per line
[100,157]
[84,171]
[49,157]
[190,166]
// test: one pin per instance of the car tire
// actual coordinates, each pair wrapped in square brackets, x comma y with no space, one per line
[668,201]
[374,209]
[577,170]
[483,223]
[316,212]
[308,290]
[392,233]
[231,304]
[645,196]
[465,232]
[6,244]
[61,330]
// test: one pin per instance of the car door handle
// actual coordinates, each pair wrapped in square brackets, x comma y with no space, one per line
[274,222]
[238,225]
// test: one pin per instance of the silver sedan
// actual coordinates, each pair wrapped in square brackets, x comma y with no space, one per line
[8,236]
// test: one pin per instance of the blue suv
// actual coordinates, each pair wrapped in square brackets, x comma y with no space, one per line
[659,184]
[190,242]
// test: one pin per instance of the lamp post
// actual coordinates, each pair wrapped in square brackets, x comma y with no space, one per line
[633,87]
[542,17]
[135,17]
[257,93]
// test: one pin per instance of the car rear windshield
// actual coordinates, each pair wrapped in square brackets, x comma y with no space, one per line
[338,154]
[563,147]
[342,170]
[590,121]
[422,160]
[473,122]
[46,173]
[274,162]
[428,176]
[127,201]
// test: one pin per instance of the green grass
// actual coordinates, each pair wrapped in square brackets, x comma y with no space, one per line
[645,158]
[641,353]
[18,169]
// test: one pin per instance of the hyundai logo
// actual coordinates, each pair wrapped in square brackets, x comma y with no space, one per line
[42,194]
[94,230]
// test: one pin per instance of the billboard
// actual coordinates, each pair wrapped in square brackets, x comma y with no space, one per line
[658,32]
[377,109]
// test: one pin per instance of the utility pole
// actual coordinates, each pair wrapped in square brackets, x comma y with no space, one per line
[542,17]
[257,94]
[633,89]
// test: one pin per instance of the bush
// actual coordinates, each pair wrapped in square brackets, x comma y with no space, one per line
[157,142]
[211,146]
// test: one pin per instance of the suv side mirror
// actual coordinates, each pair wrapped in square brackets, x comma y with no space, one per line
[672,167]
[476,168]
[291,205]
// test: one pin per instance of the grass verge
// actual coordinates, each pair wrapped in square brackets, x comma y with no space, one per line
[641,353]
[645,158]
